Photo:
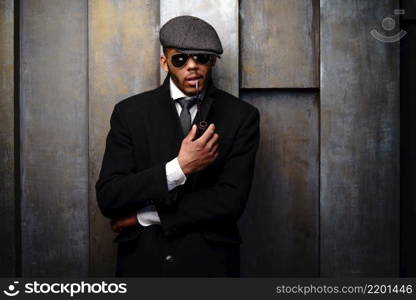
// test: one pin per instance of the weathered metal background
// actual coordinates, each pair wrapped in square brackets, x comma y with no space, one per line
[325,198]
[280,226]
[279,43]
[7,146]
[54,137]
[123,61]
[223,16]
[359,141]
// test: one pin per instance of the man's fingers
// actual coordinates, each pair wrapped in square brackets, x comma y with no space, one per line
[214,149]
[213,141]
[117,225]
[114,226]
[192,133]
[129,221]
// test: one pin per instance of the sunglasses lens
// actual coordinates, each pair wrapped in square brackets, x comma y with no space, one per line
[178,60]
[201,58]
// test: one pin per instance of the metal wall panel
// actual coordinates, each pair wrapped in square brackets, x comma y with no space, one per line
[7,147]
[62,133]
[279,43]
[360,193]
[280,223]
[54,132]
[408,154]
[123,60]
[223,16]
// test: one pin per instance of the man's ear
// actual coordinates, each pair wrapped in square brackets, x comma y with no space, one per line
[164,63]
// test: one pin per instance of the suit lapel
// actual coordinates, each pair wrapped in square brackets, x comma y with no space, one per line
[207,102]
[204,111]
[166,128]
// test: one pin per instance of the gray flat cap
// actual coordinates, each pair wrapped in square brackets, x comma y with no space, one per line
[190,34]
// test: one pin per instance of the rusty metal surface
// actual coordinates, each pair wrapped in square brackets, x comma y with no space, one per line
[123,60]
[223,16]
[280,223]
[7,147]
[360,193]
[279,43]
[54,138]
[79,58]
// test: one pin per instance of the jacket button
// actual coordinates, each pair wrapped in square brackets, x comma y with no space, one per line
[169,258]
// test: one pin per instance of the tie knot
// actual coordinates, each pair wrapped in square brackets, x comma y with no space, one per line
[186,101]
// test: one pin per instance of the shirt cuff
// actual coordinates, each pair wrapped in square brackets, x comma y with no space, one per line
[174,174]
[148,215]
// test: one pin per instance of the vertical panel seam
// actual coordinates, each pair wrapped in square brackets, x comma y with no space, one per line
[318,68]
[87,91]
[16,113]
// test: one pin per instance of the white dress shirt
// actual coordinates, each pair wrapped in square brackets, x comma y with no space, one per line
[174,174]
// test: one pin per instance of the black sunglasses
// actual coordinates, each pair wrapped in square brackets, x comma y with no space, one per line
[180,59]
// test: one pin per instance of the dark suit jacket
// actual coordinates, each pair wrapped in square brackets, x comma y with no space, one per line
[145,134]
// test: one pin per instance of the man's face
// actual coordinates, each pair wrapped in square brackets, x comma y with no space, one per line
[186,76]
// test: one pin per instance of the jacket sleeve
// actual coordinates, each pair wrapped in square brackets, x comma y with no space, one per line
[121,188]
[227,198]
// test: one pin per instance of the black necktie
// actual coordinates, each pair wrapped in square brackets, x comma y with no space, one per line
[185,117]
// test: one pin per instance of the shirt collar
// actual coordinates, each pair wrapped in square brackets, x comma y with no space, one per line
[176,93]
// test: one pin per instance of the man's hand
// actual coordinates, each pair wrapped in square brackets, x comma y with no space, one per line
[196,155]
[117,225]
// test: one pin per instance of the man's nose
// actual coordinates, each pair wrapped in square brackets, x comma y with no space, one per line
[191,64]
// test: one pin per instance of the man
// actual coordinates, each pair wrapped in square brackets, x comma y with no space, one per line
[174,194]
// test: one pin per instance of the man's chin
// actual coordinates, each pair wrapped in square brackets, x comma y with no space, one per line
[191,91]
[192,87]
